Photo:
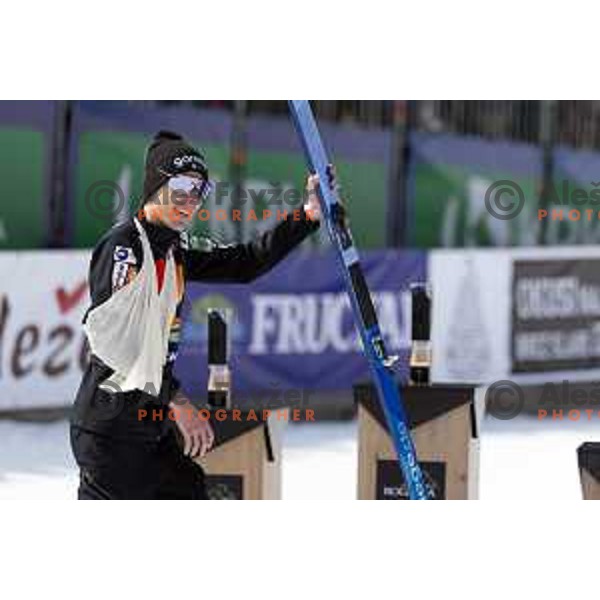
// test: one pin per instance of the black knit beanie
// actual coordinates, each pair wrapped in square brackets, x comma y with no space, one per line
[169,154]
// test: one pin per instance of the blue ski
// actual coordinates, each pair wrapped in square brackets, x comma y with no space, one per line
[360,298]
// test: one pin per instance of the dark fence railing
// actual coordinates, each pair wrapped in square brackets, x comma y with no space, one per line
[517,120]
[574,123]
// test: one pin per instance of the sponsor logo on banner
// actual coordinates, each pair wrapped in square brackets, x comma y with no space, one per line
[556,315]
[42,348]
[315,323]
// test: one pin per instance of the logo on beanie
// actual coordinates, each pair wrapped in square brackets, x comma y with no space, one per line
[189,160]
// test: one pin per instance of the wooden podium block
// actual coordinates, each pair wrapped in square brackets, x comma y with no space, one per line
[588,457]
[443,426]
[245,463]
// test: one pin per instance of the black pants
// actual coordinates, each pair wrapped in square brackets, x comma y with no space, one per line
[112,469]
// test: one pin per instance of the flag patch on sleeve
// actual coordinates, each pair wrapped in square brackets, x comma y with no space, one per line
[122,275]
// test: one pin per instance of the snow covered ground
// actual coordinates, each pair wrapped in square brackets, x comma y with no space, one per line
[522,458]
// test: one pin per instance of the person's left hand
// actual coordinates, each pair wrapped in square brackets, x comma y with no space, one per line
[198,436]
[312,206]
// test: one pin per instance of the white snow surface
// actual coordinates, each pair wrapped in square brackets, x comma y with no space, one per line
[520,459]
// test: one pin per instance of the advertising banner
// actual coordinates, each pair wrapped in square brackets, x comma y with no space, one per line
[26,137]
[575,198]
[528,315]
[293,328]
[41,342]
[449,178]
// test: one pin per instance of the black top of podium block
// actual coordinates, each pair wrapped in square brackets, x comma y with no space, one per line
[422,403]
[588,456]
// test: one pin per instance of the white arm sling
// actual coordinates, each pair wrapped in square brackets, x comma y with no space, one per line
[130,331]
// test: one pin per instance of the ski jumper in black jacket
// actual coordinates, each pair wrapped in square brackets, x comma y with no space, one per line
[119,455]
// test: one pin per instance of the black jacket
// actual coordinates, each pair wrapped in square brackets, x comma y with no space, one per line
[116,260]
